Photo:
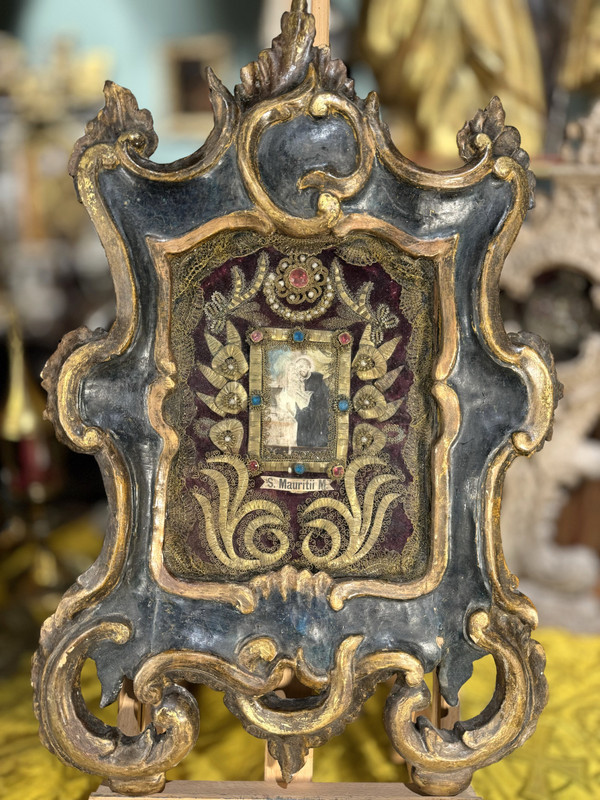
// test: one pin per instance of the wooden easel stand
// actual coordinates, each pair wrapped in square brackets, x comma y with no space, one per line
[320,11]
[263,790]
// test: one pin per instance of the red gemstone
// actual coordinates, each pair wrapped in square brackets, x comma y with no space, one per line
[256,336]
[253,466]
[337,471]
[344,338]
[298,277]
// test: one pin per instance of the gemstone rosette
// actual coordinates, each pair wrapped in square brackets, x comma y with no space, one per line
[300,278]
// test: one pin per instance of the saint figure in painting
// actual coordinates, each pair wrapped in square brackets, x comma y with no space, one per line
[298,415]
[313,417]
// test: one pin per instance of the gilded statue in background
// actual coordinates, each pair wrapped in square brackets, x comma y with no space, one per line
[436,60]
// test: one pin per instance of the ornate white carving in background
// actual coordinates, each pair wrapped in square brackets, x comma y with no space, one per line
[563,233]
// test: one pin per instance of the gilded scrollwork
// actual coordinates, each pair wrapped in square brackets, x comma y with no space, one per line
[307,98]
[444,762]
[132,764]
[244,534]
[536,367]
[249,682]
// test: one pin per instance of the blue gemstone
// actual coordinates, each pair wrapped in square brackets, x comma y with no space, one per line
[298,336]
[298,469]
[343,405]
[256,400]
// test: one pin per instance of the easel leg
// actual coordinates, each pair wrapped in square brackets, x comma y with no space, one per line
[439,712]
[132,716]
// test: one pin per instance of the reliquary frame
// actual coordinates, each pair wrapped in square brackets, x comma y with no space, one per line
[303,414]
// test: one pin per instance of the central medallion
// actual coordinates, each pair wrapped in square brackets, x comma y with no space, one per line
[300,278]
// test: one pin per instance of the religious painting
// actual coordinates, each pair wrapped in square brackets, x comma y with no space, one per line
[299,385]
[298,414]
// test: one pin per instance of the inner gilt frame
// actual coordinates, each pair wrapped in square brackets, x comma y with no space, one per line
[488,398]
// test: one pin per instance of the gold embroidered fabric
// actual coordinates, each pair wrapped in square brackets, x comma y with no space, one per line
[560,762]
[359,318]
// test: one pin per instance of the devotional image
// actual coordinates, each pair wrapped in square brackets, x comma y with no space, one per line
[299,409]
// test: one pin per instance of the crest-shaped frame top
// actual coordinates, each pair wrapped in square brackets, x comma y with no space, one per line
[303,414]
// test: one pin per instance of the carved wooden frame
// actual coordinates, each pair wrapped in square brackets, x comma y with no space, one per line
[104,614]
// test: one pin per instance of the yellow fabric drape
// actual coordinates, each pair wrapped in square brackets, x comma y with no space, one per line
[560,762]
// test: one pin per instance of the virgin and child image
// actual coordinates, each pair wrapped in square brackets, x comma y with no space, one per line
[298,414]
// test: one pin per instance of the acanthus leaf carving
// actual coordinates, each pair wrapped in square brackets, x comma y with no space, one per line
[284,65]
[505,140]
[121,113]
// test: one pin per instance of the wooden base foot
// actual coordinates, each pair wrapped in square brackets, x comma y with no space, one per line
[262,790]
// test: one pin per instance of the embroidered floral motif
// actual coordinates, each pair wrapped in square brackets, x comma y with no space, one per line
[232,398]
[367,439]
[230,362]
[369,363]
[227,435]
[369,402]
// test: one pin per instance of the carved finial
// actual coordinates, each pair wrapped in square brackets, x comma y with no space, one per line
[120,114]
[284,65]
[506,140]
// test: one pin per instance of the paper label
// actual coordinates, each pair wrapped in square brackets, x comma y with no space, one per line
[296,485]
